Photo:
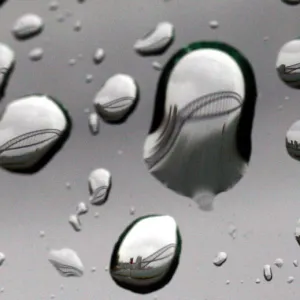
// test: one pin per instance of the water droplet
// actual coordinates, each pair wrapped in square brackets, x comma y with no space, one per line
[2,290]
[80,55]
[96,215]
[60,18]
[295,263]
[78,26]
[117,98]
[99,186]
[280,107]
[220,259]
[288,65]
[242,281]
[68,185]
[266,38]
[106,268]
[2,258]
[156,41]
[75,222]
[257,281]
[213,24]
[53,5]
[132,210]
[147,254]
[32,130]
[227,282]
[94,123]
[7,62]
[156,66]
[68,14]
[201,135]
[286,98]
[28,26]
[42,233]
[292,143]
[290,279]
[93,269]
[291,2]
[278,262]
[52,296]
[61,287]
[232,231]
[67,262]
[87,110]
[81,209]
[268,275]
[89,78]
[72,62]
[36,54]
[99,56]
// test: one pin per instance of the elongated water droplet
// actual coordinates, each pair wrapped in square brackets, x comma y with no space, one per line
[147,254]
[220,259]
[292,143]
[94,123]
[268,275]
[156,66]
[99,56]
[67,262]
[290,279]
[75,222]
[157,40]
[117,98]
[81,208]
[2,258]
[213,24]
[7,62]
[28,26]
[295,263]
[36,54]
[32,130]
[99,186]
[202,121]
[278,262]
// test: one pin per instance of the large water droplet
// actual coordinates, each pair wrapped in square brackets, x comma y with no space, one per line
[99,56]
[99,186]
[147,254]
[28,26]
[67,262]
[32,130]
[36,54]
[7,62]
[268,273]
[292,143]
[288,63]
[117,98]
[157,40]
[94,123]
[220,259]
[199,143]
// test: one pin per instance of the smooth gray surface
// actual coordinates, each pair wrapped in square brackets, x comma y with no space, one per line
[264,205]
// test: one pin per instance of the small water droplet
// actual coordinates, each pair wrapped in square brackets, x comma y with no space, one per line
[280,107]
[42,234]
[132,210]
[156,41]
[81,209]
[106,268]
[295,263]
[227,282]
[75,222]
[257,281]
[27,26]
[67,262]
[2,258]
[72,62]
[99,186]
[52,296]
[286,98]
[266,38]
[268,275]
[232,230]
[2,290]
[36,54]
[278,262]
[61,287]
[89,78]
[99,56]
[80,55]
[96,215]
[214,24]
[53,5]
[220,259]
[242,281]
[87,110]
[78,26]
[290,279]
[93,269]
[60,18]
[156,66]
[94,123]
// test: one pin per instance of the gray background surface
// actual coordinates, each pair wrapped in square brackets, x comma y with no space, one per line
[264,205]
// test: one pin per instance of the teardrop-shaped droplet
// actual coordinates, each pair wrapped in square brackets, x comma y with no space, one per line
[32,130]
[99,186]
[268,275]
[99,56]
[157,40]
[220,259]
[36,54]
[278,262]
[117,98]
[75,222]
[202,121]
[67,262]
[2,258]
[94,123]
[28,26]
[7,62]
[81,208]
[292,143]
[147,254]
